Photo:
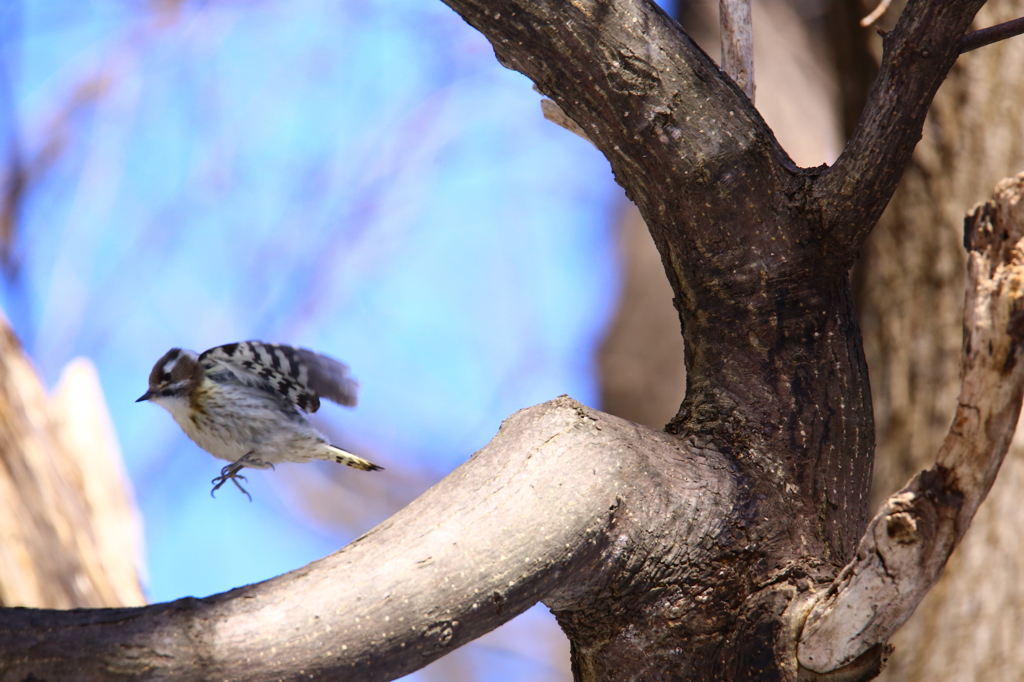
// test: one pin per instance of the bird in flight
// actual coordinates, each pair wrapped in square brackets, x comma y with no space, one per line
[247,403]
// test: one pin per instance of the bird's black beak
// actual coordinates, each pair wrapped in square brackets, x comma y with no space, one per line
[145,396]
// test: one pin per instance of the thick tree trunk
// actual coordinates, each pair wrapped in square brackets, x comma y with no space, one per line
[643,377]
[911,298]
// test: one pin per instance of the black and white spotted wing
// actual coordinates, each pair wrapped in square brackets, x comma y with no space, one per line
[300,375]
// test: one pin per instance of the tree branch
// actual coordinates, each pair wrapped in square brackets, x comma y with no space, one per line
[875,14]
[601,59]
[908,543]
[917,55]
[992,34]
[739,237]
[554,492]
[737,29]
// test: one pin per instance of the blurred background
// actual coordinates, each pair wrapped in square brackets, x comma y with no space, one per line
[362,178]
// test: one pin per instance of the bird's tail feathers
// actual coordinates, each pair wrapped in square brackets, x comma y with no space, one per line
[348,459]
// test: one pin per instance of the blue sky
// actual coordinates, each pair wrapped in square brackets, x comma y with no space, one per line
[361,178]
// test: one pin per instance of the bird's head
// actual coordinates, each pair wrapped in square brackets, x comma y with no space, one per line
[172,377]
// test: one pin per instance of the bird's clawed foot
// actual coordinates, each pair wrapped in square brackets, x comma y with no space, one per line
[230,473]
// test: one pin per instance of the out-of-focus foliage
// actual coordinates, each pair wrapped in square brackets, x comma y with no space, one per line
[358,177]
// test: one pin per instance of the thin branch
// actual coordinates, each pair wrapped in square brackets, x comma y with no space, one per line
[876,14]
[738,43]
[992,34]
[917,55]
[906,546]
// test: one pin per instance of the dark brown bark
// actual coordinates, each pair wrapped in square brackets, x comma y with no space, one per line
[641,358]
[693,554]
[916,57]
[992,34]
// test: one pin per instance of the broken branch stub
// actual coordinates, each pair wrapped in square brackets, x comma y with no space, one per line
[907,544]
[556,115]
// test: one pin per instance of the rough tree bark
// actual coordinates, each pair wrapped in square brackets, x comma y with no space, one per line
[641,358]
[694,554]
[910,539]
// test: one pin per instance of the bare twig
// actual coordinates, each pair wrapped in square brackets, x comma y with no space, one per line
[992,34]
[12,191]
[907,544]
[12,172]
[738,43]
[31,155]
[876,14]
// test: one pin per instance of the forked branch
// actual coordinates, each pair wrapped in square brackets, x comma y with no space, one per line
[907,544]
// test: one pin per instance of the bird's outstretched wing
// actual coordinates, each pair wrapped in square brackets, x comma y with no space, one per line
[300,375]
